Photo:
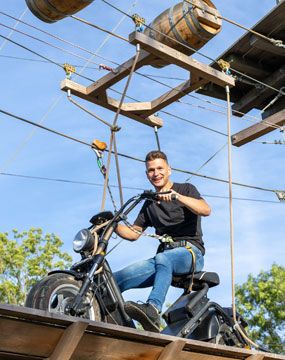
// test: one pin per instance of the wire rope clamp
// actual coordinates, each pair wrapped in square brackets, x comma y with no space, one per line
[69,70]
[281,195]
[225,66]
[139,22]
[99,145]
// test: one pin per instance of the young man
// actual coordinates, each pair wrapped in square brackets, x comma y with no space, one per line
[180,219]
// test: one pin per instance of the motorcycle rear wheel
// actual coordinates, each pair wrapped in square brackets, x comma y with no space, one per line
[55,294]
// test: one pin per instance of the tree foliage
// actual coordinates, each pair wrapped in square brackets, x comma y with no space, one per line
[261,300]
[24,259]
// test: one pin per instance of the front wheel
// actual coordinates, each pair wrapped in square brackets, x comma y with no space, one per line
[56,293]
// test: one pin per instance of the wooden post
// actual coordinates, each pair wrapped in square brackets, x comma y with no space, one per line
[172,350]
[69,341]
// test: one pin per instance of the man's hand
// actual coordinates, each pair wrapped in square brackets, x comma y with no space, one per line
[197,206]
[173,195]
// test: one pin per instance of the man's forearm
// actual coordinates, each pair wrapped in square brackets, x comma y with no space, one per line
[197,206]
[126,233]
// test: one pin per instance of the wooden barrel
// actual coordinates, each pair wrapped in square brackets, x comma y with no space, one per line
[53,10]
[186,23]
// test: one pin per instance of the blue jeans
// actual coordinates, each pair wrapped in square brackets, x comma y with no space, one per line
[158,272]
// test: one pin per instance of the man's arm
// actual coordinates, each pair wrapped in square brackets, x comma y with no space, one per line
[197,206]
[126,233]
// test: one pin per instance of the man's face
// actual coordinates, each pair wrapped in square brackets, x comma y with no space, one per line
[158,172]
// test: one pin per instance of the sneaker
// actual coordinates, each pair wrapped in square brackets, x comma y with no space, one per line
[146,314]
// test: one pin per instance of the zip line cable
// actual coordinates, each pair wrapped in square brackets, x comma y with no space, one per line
[43,57]
[165,112]
[99,28]
[18,20]
[254,118]
[141,74]
[206,162]
[55,103]
[77,182]
[53,62]
[61,66]
[132,157]
[195,50]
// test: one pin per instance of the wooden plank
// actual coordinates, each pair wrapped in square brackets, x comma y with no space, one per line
[119,73]
[247,66]
[175,94]
[255,97]
[256,357]
[176,57]
[110,104]
[172,350]
[257,130]
[40,331]
[69,341]
[261,44]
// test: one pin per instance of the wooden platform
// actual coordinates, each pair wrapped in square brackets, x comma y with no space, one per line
[34,334]
[262,60]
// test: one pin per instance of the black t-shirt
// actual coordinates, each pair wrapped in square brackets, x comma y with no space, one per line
[172,218]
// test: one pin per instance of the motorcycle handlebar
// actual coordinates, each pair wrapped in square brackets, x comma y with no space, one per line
[151,195]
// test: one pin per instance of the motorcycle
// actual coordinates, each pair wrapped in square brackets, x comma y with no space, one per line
[89,290]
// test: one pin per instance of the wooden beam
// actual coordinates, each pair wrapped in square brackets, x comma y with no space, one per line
[247,66]
[267,46]
[256,97]
[172,350]
[176,57]
[257,130]
[119,73]
[256,357]
[69,341]
[111,104]
[177,93]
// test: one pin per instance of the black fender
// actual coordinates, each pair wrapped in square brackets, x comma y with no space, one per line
[208,327]
[75,274]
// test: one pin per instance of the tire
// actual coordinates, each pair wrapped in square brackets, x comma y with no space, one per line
[56,292]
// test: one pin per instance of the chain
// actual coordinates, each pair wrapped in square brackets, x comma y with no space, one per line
[162,238]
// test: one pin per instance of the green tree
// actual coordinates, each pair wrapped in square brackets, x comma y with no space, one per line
[24,259]
[261,300]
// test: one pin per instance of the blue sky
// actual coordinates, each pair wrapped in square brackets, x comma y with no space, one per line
[31,89]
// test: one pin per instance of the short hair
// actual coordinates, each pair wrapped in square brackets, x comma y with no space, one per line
[155,154]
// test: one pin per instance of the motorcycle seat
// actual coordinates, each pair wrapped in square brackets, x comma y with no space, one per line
[199,279]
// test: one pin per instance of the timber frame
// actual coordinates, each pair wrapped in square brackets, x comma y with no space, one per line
[264,61]
[200,74]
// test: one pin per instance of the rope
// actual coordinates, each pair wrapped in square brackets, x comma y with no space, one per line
[144,75]
[191,48]
[118,172]
[114,127]
[14,27]
[124,187]
[86,110]
[206,162]
[236,324]
[98,27]
[42,56]
[132,157]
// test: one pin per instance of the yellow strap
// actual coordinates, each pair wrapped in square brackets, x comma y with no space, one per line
[193,266]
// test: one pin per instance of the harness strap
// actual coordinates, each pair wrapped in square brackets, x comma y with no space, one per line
[193,266]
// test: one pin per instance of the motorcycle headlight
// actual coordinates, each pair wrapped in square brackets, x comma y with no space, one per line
[83,241]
